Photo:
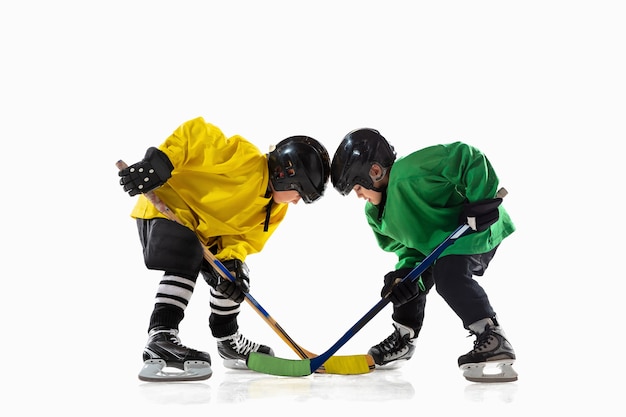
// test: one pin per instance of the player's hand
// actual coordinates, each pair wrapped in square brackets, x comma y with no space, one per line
[146,175]
[235,290]
[481,214]
[401,292]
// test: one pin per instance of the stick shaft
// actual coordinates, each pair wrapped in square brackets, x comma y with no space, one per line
[285,367]
[413,275]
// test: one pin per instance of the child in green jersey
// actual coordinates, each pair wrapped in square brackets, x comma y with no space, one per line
[412,204]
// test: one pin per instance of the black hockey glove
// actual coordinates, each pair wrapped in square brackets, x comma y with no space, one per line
[481,214]
[235,290]
[403,291]
[150,173]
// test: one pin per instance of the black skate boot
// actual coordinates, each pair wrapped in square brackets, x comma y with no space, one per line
[492,352]
[235,349]
[164,350]
[397,347]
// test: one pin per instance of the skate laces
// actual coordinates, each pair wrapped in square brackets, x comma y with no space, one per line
[242,345]
[176,340]
[482,339]
[172,336]
[391,344]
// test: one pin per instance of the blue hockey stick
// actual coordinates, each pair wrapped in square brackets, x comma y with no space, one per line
[287,367]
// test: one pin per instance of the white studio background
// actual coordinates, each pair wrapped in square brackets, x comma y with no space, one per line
[538,85]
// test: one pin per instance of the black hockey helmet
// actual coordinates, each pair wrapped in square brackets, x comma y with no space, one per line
[354,157]
[300,163]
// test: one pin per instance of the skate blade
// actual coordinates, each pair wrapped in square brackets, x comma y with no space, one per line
[154,371]
[236,364]
[393,365]
[497,371]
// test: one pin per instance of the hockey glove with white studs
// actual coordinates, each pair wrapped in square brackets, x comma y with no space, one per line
[401,292]
[234,290]
[481,214]
[146,175]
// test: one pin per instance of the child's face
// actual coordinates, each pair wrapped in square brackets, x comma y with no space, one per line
[289,196]
[374,197]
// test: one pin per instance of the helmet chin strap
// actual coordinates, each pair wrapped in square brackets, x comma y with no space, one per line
[379,189]
[381,205]
[268,212]
[268,207]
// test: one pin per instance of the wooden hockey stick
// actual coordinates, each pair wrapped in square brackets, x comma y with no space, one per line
[286,367]
[345,365]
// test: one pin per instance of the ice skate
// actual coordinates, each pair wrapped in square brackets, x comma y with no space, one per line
[395,349]
[166,359]
[235,349]
[491,359]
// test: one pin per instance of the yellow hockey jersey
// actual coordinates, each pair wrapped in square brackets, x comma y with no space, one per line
[218,189]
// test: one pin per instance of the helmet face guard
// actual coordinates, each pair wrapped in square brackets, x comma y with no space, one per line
[356,154]
[300,163]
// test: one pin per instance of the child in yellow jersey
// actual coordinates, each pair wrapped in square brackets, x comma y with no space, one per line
[229,197]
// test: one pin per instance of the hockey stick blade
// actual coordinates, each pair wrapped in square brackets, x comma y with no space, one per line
[346,365]
[286,367]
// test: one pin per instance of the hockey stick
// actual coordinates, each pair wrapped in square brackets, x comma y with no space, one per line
[286,367]
[346,365]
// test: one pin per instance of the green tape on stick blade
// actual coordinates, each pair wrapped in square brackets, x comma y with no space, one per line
[272,365]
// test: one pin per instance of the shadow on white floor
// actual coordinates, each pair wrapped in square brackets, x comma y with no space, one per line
[246,386]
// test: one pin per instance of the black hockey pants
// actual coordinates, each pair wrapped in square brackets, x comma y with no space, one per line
[453,278]
[174,249]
